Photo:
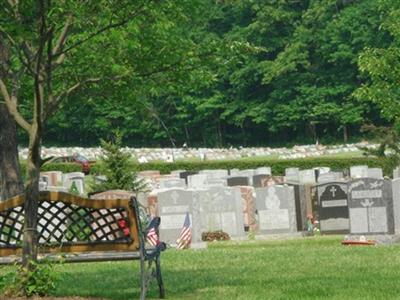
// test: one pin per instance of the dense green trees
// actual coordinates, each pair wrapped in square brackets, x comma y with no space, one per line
[230,72]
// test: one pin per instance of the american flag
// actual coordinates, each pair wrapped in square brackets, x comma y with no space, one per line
[152,237]
[185,237]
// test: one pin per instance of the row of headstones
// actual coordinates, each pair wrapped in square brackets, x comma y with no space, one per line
[230,209]
[360,206]
[59,182]
[254,177]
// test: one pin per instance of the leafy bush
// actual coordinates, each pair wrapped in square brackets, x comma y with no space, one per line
[39,280]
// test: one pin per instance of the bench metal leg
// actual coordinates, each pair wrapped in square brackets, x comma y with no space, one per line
[143,279]
[159,278]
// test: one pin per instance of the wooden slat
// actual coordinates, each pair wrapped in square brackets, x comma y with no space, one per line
[12,202]
[84,202]
[78,257]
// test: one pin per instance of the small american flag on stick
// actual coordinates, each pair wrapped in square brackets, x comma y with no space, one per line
[185,237]
[152,237]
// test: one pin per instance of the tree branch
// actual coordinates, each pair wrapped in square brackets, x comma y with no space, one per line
[111,25]
[53,103]
[12,107]
[63,37]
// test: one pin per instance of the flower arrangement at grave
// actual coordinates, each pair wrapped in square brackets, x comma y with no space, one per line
[218,235]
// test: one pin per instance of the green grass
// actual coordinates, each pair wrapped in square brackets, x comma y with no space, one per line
[310,268]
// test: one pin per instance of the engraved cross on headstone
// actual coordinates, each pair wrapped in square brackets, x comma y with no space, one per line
[333,191]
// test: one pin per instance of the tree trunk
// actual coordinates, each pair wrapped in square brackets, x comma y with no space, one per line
[11,181]
[29,247]
[345,134]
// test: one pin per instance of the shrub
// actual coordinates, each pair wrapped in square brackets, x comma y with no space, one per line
[117,167]
[278,166]
[39,280]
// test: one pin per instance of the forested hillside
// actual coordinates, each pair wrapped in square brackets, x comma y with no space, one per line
[221,73]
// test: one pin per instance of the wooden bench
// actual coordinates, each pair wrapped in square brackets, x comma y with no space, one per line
[84,230]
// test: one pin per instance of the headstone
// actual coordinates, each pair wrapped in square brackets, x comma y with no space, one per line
[216,182]
[185,175]
[375,173]
[307,176]
[248,197]
[276,209]
[272,180]
[172,183]
[320,171]
[333,212]
[359,171]
[238,181]
[215,174]
[370,206]
[54,177]
[176,173]
[197,181]
[234,172]
[221,209]
[112,194]
[258,180]
[330,177]
[396,173]
[172,207]
[302,197]
[396,204]
[76,177]
[292,175]
[263,171]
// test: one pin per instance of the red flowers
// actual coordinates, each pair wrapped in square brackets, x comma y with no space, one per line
[123,225]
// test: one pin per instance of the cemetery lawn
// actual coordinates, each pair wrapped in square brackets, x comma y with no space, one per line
[304,268]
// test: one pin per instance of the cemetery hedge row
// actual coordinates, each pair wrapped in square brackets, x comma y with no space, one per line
[278,166]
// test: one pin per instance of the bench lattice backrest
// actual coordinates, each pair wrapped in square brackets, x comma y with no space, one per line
[68,223]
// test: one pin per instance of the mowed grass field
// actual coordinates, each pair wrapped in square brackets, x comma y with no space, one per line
[304,268]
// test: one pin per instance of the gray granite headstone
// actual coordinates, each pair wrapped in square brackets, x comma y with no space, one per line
[263,171]
[370,206]
[359,172]
[303,201]
[221,209]
[258,180]
[276,209]
[216,182]
[173,205]
[375,173]
[215,174]
[292,174]
[330,177]
[238,180]
[197,181]
[185,175]
[168,183]
[396,173]
[333,212]
[234,172]
[307,176]
[78,178]
[396,204]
